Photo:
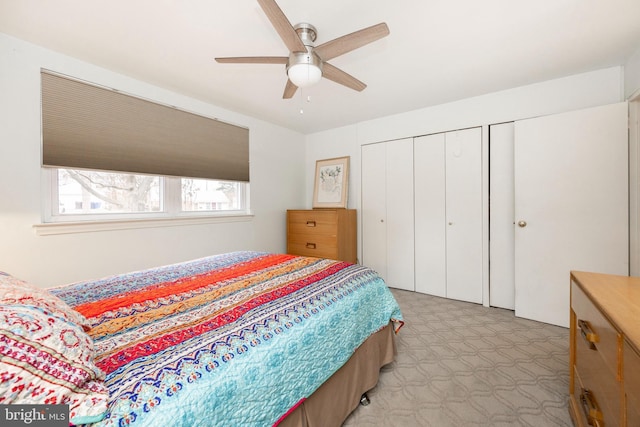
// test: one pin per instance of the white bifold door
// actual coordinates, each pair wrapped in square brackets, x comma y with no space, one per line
[448,214]
[570,206]
[387,211]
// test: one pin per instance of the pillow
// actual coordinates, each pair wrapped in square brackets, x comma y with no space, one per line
[45,357]
[15,291]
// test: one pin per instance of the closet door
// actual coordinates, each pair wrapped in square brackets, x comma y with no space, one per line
[448,214]
[571,205]
[400,230]
[501,221]
[387,211]
[463,150]
[374,207]
[430,215]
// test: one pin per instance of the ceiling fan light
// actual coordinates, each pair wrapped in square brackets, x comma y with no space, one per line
[303,75]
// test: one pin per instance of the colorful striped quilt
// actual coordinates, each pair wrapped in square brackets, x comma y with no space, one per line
[229,340]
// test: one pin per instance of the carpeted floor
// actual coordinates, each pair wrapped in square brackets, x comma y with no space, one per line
[462,364]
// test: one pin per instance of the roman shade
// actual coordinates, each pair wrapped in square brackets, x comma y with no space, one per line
[91,127]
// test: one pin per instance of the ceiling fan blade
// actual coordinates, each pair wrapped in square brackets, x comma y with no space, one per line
[289,90]
[337,75]
[282,26]
[253,60]
[349,42]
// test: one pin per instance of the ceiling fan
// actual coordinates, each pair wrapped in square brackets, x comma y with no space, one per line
[306,63]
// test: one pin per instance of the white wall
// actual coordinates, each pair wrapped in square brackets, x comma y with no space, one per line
[554,96]
[632,94]
[277,183]
[282,166]
[632,75]
[339,142]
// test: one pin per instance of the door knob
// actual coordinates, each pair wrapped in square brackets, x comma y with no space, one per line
[522,224]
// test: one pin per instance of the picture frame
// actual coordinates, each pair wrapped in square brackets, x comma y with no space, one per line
[330,189]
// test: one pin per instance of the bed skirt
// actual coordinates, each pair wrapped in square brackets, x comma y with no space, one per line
[332,403]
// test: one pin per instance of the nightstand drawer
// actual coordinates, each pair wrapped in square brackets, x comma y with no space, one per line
[312,223]
[312,247]
[595,331]
[329,252]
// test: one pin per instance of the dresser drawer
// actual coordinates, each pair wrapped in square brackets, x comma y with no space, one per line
[578,414]
[595,331]
[312,223]
[596,361]
[315,246]
[313,233]
[597,390]
[631,379]
[583,415]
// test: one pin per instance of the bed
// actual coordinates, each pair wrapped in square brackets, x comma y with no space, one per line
[245,338]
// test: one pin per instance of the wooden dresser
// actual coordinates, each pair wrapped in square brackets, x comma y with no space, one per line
[323,233]
[604,352]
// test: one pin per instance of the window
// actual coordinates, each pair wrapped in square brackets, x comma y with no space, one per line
[208,195]
[82,192]
[108,155]
[78,195]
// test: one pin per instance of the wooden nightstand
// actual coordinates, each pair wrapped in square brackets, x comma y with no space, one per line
[322,233]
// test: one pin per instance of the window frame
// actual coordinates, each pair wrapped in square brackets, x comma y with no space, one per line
[171,213]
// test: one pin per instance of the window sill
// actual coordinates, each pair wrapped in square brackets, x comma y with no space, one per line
[52,228]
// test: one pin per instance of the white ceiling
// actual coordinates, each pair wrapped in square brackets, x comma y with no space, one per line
[438,50]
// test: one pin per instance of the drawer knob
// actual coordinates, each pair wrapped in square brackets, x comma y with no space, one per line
[311,245]
[590,408]
[311,223]
[588,334]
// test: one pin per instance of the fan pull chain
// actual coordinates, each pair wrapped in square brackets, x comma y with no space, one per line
[308,101]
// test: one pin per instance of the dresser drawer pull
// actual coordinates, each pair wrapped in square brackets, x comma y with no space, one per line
[311,245]
[588,334]
[311,223]
[591,408]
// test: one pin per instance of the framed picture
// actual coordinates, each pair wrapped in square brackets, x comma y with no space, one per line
[330,187]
